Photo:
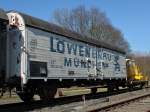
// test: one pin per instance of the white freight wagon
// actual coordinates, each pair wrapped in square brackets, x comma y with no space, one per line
[42,57]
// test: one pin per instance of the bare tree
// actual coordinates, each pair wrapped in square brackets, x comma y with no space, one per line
[92,23]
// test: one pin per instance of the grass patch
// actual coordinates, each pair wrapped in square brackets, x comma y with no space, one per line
[79,91]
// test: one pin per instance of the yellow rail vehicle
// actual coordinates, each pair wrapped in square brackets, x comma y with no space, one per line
[134,74]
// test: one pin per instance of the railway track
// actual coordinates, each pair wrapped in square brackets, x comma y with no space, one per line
[139,105]
[60,104]
[112,106]
[104,104]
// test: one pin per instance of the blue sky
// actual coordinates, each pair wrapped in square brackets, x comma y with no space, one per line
[130,16]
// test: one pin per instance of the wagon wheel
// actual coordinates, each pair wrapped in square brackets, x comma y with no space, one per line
[47,92]
[93,90]
[130,87]
[26,97]
[110,87]
[117,87]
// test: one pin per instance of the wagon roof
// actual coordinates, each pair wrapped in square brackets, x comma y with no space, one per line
[3,14]
[50,27]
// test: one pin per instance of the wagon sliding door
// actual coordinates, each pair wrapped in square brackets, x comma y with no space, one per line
[113,64]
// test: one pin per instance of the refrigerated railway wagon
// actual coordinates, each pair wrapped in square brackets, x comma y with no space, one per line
[42,57]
